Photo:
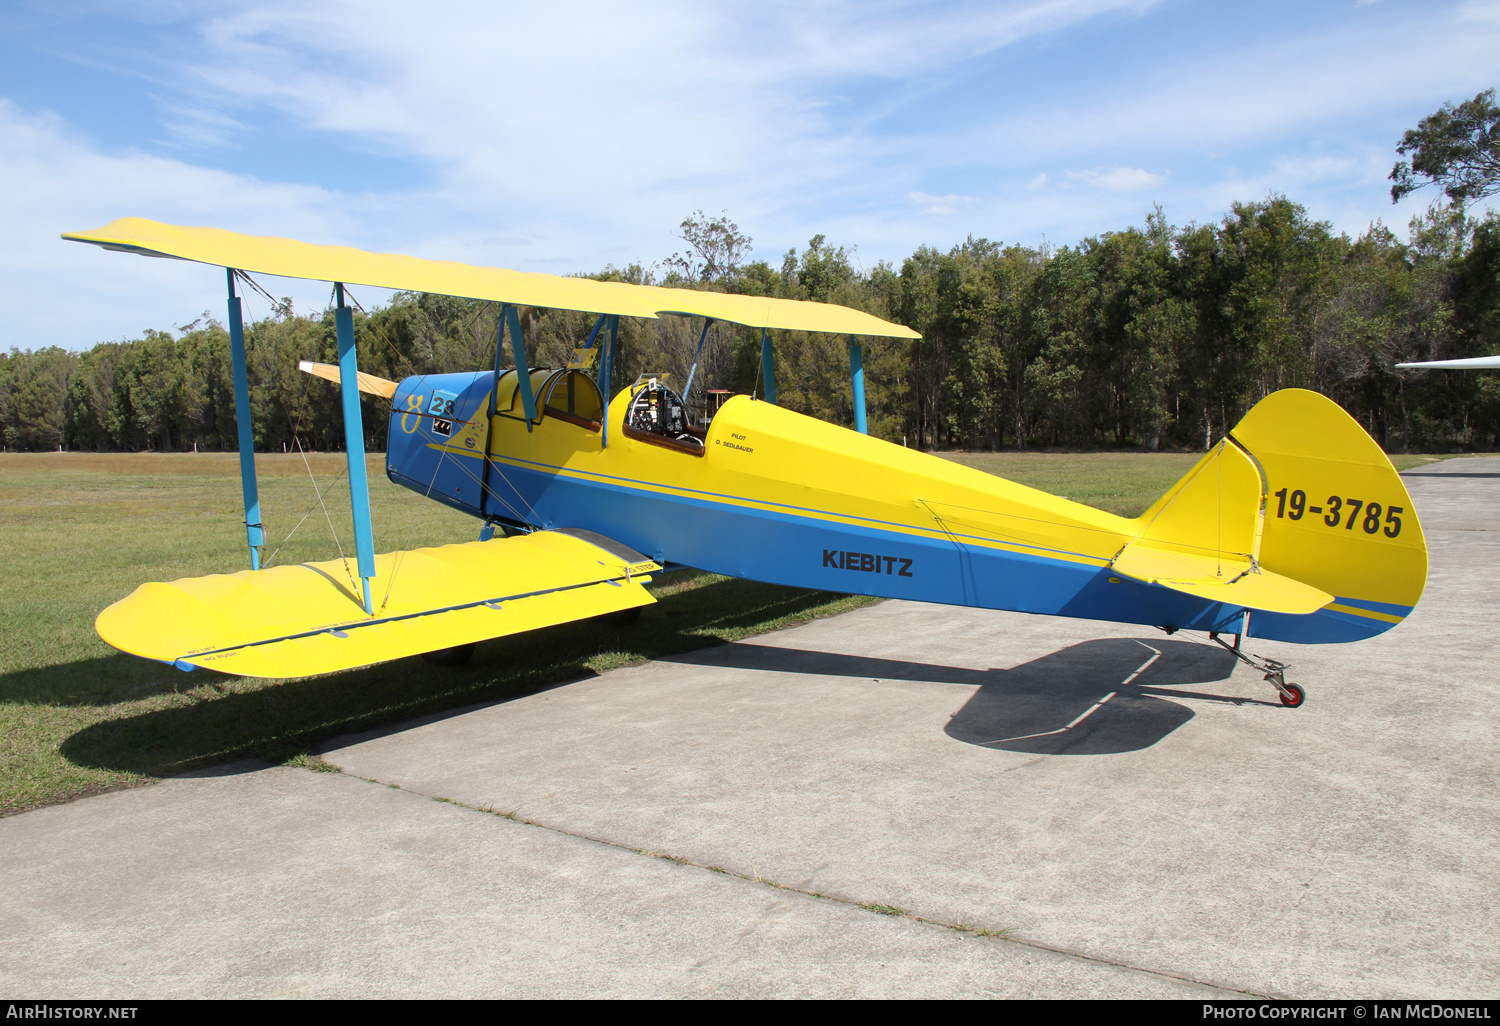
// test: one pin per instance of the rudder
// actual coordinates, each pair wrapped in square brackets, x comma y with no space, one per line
[1337,517]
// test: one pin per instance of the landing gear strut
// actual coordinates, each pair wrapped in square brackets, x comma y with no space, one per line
[1292,695]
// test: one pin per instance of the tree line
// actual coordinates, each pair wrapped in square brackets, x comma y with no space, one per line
[1151,337]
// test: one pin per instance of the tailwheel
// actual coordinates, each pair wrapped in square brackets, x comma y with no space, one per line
[1292,695]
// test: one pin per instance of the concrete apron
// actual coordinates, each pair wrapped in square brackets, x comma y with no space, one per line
[1189,830]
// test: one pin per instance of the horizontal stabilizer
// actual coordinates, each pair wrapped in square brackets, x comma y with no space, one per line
[370,383]
[1219,579]
[294,621]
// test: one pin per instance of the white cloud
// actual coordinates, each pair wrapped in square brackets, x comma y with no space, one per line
[62,293]
[939,206]
[1256,96]
[1120,179]
[1480,10]
[564,136]
[619,117]
[1324,167]
[197,126]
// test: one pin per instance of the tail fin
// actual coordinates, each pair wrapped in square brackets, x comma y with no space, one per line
[1297,515]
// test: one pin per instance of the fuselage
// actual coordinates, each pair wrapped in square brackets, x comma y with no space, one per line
[776,496]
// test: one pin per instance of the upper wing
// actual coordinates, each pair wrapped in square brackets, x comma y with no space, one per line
[769,312]
[292,259]
[293,621]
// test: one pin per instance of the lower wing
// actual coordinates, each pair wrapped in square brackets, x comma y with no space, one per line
[293,621]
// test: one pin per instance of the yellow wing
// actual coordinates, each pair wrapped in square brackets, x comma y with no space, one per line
[293,621]
[292,259]
[768,312]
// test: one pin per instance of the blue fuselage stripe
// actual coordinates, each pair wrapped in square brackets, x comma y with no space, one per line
[822,549]
[806,551]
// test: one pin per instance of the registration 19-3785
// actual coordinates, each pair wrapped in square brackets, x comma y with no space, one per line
[1336,509]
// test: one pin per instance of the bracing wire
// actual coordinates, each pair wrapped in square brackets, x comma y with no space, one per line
[1219,467]
[336,542]
[755,388]
[252,283]
[400,558]
[312,506]
[297,439]
[477,479]
[379,333]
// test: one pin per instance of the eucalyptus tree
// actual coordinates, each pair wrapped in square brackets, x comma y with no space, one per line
[1457,149]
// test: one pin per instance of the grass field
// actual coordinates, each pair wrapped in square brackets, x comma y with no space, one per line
[79,531]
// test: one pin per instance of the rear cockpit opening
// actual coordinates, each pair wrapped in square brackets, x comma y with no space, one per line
[572,396]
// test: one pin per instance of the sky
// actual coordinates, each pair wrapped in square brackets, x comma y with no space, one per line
[565,136]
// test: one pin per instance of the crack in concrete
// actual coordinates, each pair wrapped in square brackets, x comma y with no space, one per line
[1002,934]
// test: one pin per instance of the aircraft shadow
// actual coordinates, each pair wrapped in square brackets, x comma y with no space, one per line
[1100,697]
[209,722]
[190,722]
[1087,699]
[97,681]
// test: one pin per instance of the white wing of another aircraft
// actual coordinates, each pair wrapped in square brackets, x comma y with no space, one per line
[1478,363]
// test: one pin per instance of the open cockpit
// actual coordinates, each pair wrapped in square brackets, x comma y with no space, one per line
[659,416]
[571,395]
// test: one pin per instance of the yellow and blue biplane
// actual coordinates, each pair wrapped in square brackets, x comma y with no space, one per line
[1295,527]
